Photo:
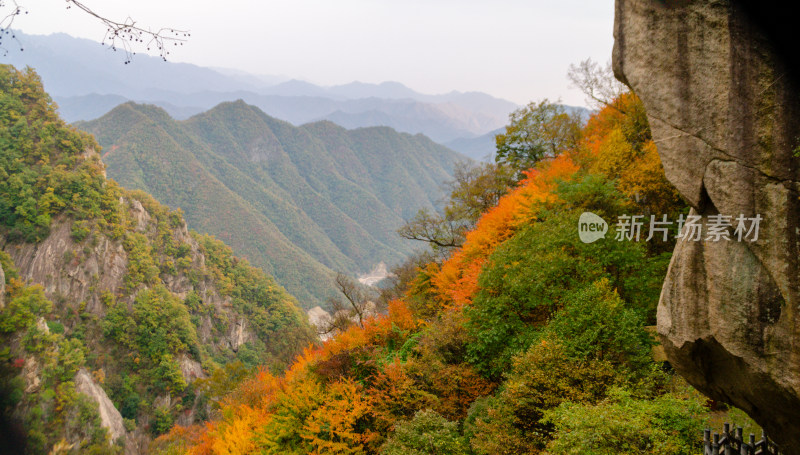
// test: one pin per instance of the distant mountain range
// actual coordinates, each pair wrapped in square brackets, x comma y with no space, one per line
[301,202]
[87,82]
[479,148]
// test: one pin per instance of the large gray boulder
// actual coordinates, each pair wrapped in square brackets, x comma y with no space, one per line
[725,114]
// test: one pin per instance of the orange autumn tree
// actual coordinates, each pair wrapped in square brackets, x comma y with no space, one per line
[457,280]
[339,425]
[617,143]
[317,407]
[342,397]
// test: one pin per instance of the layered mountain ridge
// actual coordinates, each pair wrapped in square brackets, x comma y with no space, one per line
[301,202]
[87,81]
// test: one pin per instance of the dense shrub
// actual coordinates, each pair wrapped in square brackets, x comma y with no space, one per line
[529,278]
[671,424]
[595,324]
[427,433]
[542,378]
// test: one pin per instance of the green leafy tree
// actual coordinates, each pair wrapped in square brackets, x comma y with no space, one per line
[21,312]
[157,328]
[528,280]
[71,357]
[540,379]
[162,421]
[595,324]
[536,132]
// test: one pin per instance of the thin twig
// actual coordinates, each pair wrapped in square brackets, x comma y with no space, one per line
[125,35]
[6,23]
[127,32]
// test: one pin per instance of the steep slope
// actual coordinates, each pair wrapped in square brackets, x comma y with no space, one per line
[533,341]
[111,309]
[298,167]
[150,158]
[299,202]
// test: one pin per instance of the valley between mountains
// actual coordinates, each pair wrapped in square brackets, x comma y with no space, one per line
[301,202]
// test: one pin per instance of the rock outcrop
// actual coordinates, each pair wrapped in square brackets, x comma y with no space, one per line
[724,110]
[110,418]
[77,272]
[70,271]
[238,334]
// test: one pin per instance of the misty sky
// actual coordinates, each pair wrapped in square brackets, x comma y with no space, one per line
[515,49]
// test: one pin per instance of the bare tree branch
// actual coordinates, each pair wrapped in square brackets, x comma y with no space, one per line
[354,295]
[441,232]
[476,188]
[127,33]
[7,21]
[124,35]
[336,321]
[596,82]
[352,305]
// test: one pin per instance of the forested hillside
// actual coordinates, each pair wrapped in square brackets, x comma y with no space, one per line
[113,314]
[299,202]
[518,339]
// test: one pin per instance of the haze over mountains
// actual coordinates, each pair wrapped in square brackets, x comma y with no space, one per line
[87,82]
[301,202]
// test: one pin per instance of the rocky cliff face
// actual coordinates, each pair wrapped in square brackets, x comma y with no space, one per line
[82,271]
[109,415]
[72,271]
[68,270]
[725,112]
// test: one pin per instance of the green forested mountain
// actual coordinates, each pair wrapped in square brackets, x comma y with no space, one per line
[115,320]
[300,202]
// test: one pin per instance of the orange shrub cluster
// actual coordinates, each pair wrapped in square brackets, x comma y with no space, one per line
[457,281]
[342,397]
